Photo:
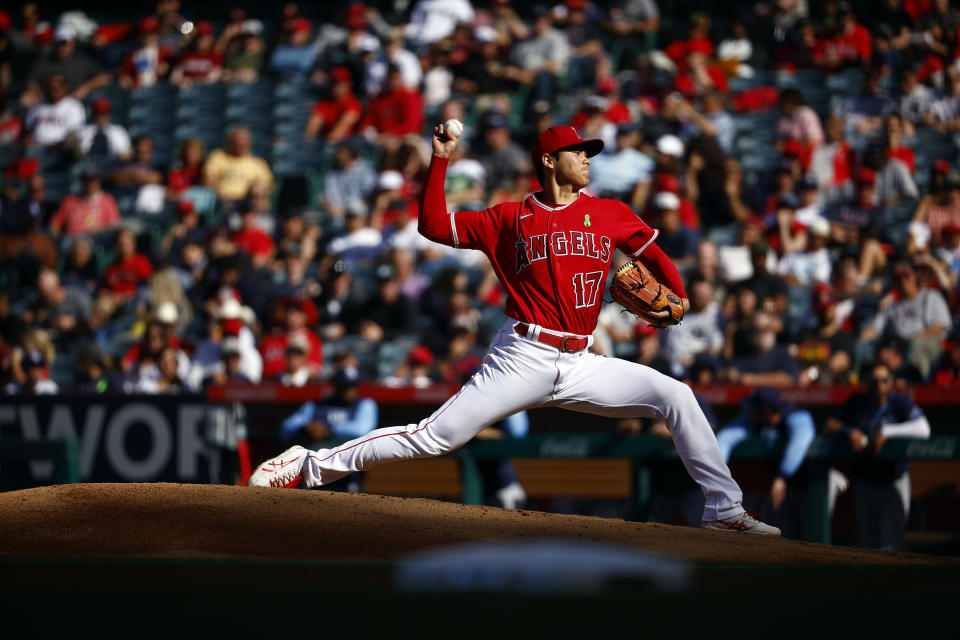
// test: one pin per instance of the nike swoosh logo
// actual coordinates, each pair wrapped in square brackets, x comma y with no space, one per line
[526,216]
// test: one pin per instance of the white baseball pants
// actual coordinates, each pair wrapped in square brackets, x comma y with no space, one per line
[520,373]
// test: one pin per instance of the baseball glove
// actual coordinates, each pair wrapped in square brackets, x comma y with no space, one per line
[637,291]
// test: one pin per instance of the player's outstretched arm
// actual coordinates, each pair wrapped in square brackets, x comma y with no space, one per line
[434,221]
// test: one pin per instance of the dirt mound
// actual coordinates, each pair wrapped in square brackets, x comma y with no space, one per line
[202,521]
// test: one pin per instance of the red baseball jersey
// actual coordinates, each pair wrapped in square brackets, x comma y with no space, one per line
[553,261]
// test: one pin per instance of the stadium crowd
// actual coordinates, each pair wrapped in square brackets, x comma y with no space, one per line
[192,198]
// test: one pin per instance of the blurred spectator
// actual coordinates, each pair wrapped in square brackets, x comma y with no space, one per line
[771,289]
[189,173]
[150,62]
[700,76]
[498,153]
[483,75]
[859,217]
[415,371]
[466,177]
[809,204]
[103,138]
[200,63]
[700,330]
[48,123]
[677,241]
[767,416]
[32,212]
[228,369]
[831,165]
[79,73]
[80,269]
[894,183]
[233,170]
[344,413]
[335,118]
[946,371]
[881,487]
[156,362]
[63,310]
[359,244]
[36,376]
[649,351]
[919,316]
[92,211]
[389,314]
[396,112]
[890,352]
[625,174]
[251,237]
[735,53]
[825,351]
[298,315]
[434,20]
[944,112]
[293,59]
[941,208]
[246,54]
[768,363]
[142,170]
[798,130]
[713,121]
[297,371]
[785,234]
[914,98]
[862,114]
[130,269]
[812,262]
[394,54]
[349,185]
[895,147]
[543,59]
[186,228]
[95,372]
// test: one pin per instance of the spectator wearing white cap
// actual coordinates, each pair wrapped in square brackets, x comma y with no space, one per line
[813,264]
[676,240]
[80,72]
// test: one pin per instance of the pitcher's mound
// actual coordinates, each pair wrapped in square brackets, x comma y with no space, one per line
[205,521]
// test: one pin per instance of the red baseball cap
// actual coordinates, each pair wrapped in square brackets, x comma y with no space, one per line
[302,24]
[558,138]
[341,74]
[866,176]
[204,28]
[101,105]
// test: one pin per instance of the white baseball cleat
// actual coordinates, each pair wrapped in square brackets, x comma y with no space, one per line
[283,472]
[744,523]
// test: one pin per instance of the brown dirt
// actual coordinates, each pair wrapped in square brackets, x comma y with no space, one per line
[202,521]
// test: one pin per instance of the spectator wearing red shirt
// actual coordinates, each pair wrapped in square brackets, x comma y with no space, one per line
[147,64]
[201,62]
[335,118]
[193,154]
[130,270]
[893,133]
[252,239]
[95,210]
[698,38]
[397,112]
[299,315]
[854,41]
[701,76]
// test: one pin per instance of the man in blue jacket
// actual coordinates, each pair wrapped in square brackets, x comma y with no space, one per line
[881,488]
[343,414]
[766,415]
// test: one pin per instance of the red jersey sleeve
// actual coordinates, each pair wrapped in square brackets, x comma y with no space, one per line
[463,229]
[635,235]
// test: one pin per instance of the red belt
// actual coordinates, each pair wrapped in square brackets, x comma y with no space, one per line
[566,343]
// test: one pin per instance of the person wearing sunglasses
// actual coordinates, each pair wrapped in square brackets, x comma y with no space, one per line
[881,487]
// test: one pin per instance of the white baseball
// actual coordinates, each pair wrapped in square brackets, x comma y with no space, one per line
[453,128]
